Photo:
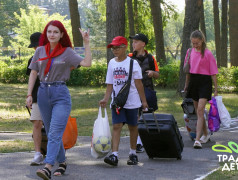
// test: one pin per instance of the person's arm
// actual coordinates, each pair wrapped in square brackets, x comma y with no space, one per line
[214,79]
[153,74]
[140,89]
[186,82]
[87,61]
[103,102]
[31,83]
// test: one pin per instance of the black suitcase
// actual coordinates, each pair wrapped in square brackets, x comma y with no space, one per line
[160,136]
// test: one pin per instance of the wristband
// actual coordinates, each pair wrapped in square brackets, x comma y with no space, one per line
[28,96]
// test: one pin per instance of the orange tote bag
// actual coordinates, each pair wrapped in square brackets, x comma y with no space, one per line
[70,134]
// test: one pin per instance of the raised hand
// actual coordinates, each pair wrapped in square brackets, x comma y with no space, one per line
[85,35]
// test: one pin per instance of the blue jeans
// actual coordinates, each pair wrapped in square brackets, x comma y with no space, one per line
[54,102]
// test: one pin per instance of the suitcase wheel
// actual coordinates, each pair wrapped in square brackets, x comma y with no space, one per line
[179,158]
[150,157]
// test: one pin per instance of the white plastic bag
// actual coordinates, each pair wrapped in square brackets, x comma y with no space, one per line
[223,112]
[101,138]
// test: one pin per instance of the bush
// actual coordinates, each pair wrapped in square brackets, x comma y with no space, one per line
[13,71]
[15,74]
[169,75]
[94,76]
[235,78]
[227,79]
[3,66]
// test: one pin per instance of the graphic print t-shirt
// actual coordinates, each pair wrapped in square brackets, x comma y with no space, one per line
[117,75]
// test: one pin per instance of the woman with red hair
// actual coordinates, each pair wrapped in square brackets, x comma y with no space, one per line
[53,62]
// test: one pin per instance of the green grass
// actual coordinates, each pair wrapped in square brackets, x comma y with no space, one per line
[14,115]
[16,146]
[221,175]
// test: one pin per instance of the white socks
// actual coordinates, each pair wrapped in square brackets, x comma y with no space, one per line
[37,153]
[132,151]
[139,140]
[115,153]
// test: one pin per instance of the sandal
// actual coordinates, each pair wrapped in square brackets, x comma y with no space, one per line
[205,139]
[197,145]
[44,173]
[61,169]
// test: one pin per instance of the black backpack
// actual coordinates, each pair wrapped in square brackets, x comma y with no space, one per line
[188,106]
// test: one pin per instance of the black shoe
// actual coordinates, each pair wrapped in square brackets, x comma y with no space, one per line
[112,160]
[133,160]
[139,148]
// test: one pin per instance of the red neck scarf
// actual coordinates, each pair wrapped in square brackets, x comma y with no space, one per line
[56,52]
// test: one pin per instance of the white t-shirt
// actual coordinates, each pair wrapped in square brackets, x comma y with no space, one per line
[117,75]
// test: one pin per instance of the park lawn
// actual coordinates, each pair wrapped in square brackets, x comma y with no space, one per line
[221,175]
[16,146]
[15,117]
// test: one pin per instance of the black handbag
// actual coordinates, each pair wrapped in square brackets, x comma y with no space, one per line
[120,100]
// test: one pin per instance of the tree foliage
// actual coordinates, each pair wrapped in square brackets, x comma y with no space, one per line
[143,18]
[32,21]
[173,33]
[7,20]
[94,20]
[209,19]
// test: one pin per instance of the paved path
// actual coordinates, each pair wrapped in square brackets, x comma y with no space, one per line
[81,166]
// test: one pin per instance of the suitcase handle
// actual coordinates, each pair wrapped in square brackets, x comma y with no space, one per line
[156,122]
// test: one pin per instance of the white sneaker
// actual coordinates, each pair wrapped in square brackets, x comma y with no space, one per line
[38,160]
[205,139]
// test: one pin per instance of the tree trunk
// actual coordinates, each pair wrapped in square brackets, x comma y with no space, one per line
[191,23]
[131,21]
[75,23]
[136,15]
[233,24]
[115,25]
[224,37]
[217,31]
[158,30]
[202,20]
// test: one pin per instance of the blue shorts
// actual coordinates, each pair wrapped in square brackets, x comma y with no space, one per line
[128,116]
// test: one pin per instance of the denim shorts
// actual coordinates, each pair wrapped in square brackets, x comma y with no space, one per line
[128,116]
